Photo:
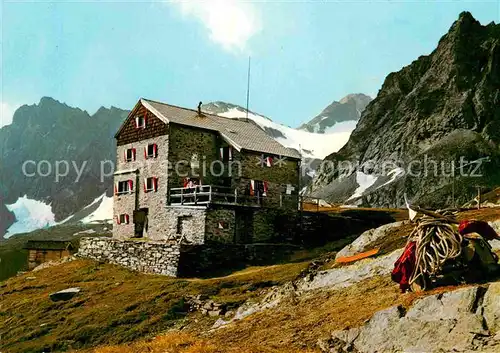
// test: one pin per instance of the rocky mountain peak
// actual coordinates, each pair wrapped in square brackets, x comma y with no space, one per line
[348,108]
[454,91]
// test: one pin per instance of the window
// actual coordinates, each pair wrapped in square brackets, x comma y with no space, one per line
[151,151]
[226,153]
[140,122]
[151,184]
[124,187]
[181,222]
[123,219]
[129,155]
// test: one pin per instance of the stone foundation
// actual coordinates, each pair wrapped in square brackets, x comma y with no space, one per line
[149,257]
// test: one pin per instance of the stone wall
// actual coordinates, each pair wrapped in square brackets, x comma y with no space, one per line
[186,223]
[149,257]
[213,259]
[154,201]
[189,144]
[220,226]
[281,173]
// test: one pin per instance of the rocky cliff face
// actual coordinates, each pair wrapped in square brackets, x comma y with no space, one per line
[51,135]
[348,108]
[439,109]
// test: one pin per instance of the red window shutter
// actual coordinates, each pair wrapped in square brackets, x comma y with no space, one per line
[145,185]
[145,153]
[116,188]
[133,153]
[117,219]
[130,185]
[155,150]
[125,155]
[155,184]
[127,219]
[265,188]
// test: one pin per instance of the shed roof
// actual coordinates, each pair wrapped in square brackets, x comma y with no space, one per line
[48,245]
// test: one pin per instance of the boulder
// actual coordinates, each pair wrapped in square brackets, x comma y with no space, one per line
[491,305]
[65,294]
[346,276]
[367,238]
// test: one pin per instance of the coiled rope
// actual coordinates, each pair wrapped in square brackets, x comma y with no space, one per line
[436,242]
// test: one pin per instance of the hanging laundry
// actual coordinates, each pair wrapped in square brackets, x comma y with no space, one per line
[265,188]
[252,187]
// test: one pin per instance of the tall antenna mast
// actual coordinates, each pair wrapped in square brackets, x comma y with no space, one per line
[248,86]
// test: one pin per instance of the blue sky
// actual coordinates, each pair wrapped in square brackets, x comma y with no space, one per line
[305,54]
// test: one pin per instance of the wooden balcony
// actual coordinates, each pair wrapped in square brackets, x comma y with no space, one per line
[202,195]
[214,194]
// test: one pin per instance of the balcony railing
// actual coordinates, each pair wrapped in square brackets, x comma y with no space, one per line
[202,195]
[206,194]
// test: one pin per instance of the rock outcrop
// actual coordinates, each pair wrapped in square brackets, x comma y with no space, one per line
[426,118]
[463,320]
[367,238]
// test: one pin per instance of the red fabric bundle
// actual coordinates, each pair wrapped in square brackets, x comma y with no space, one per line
[480,227]
[404,266]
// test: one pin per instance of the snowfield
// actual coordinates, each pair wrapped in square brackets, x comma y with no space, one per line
[311,145]
[30,215]
[103,213]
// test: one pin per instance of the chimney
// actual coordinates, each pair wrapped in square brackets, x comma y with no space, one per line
[199,108]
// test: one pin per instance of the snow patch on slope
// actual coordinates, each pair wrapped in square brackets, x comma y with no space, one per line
[394,174]
[30,215]
[364,181]
[103,213]
[313,145]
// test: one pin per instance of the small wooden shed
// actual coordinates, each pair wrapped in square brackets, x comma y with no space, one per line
[40,251]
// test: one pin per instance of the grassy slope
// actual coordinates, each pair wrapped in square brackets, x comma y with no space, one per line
[118,306]
[115,306]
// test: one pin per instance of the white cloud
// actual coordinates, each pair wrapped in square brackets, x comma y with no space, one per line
[6,113]
[231,23]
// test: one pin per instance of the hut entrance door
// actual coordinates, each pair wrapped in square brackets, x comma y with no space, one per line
[141,222]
